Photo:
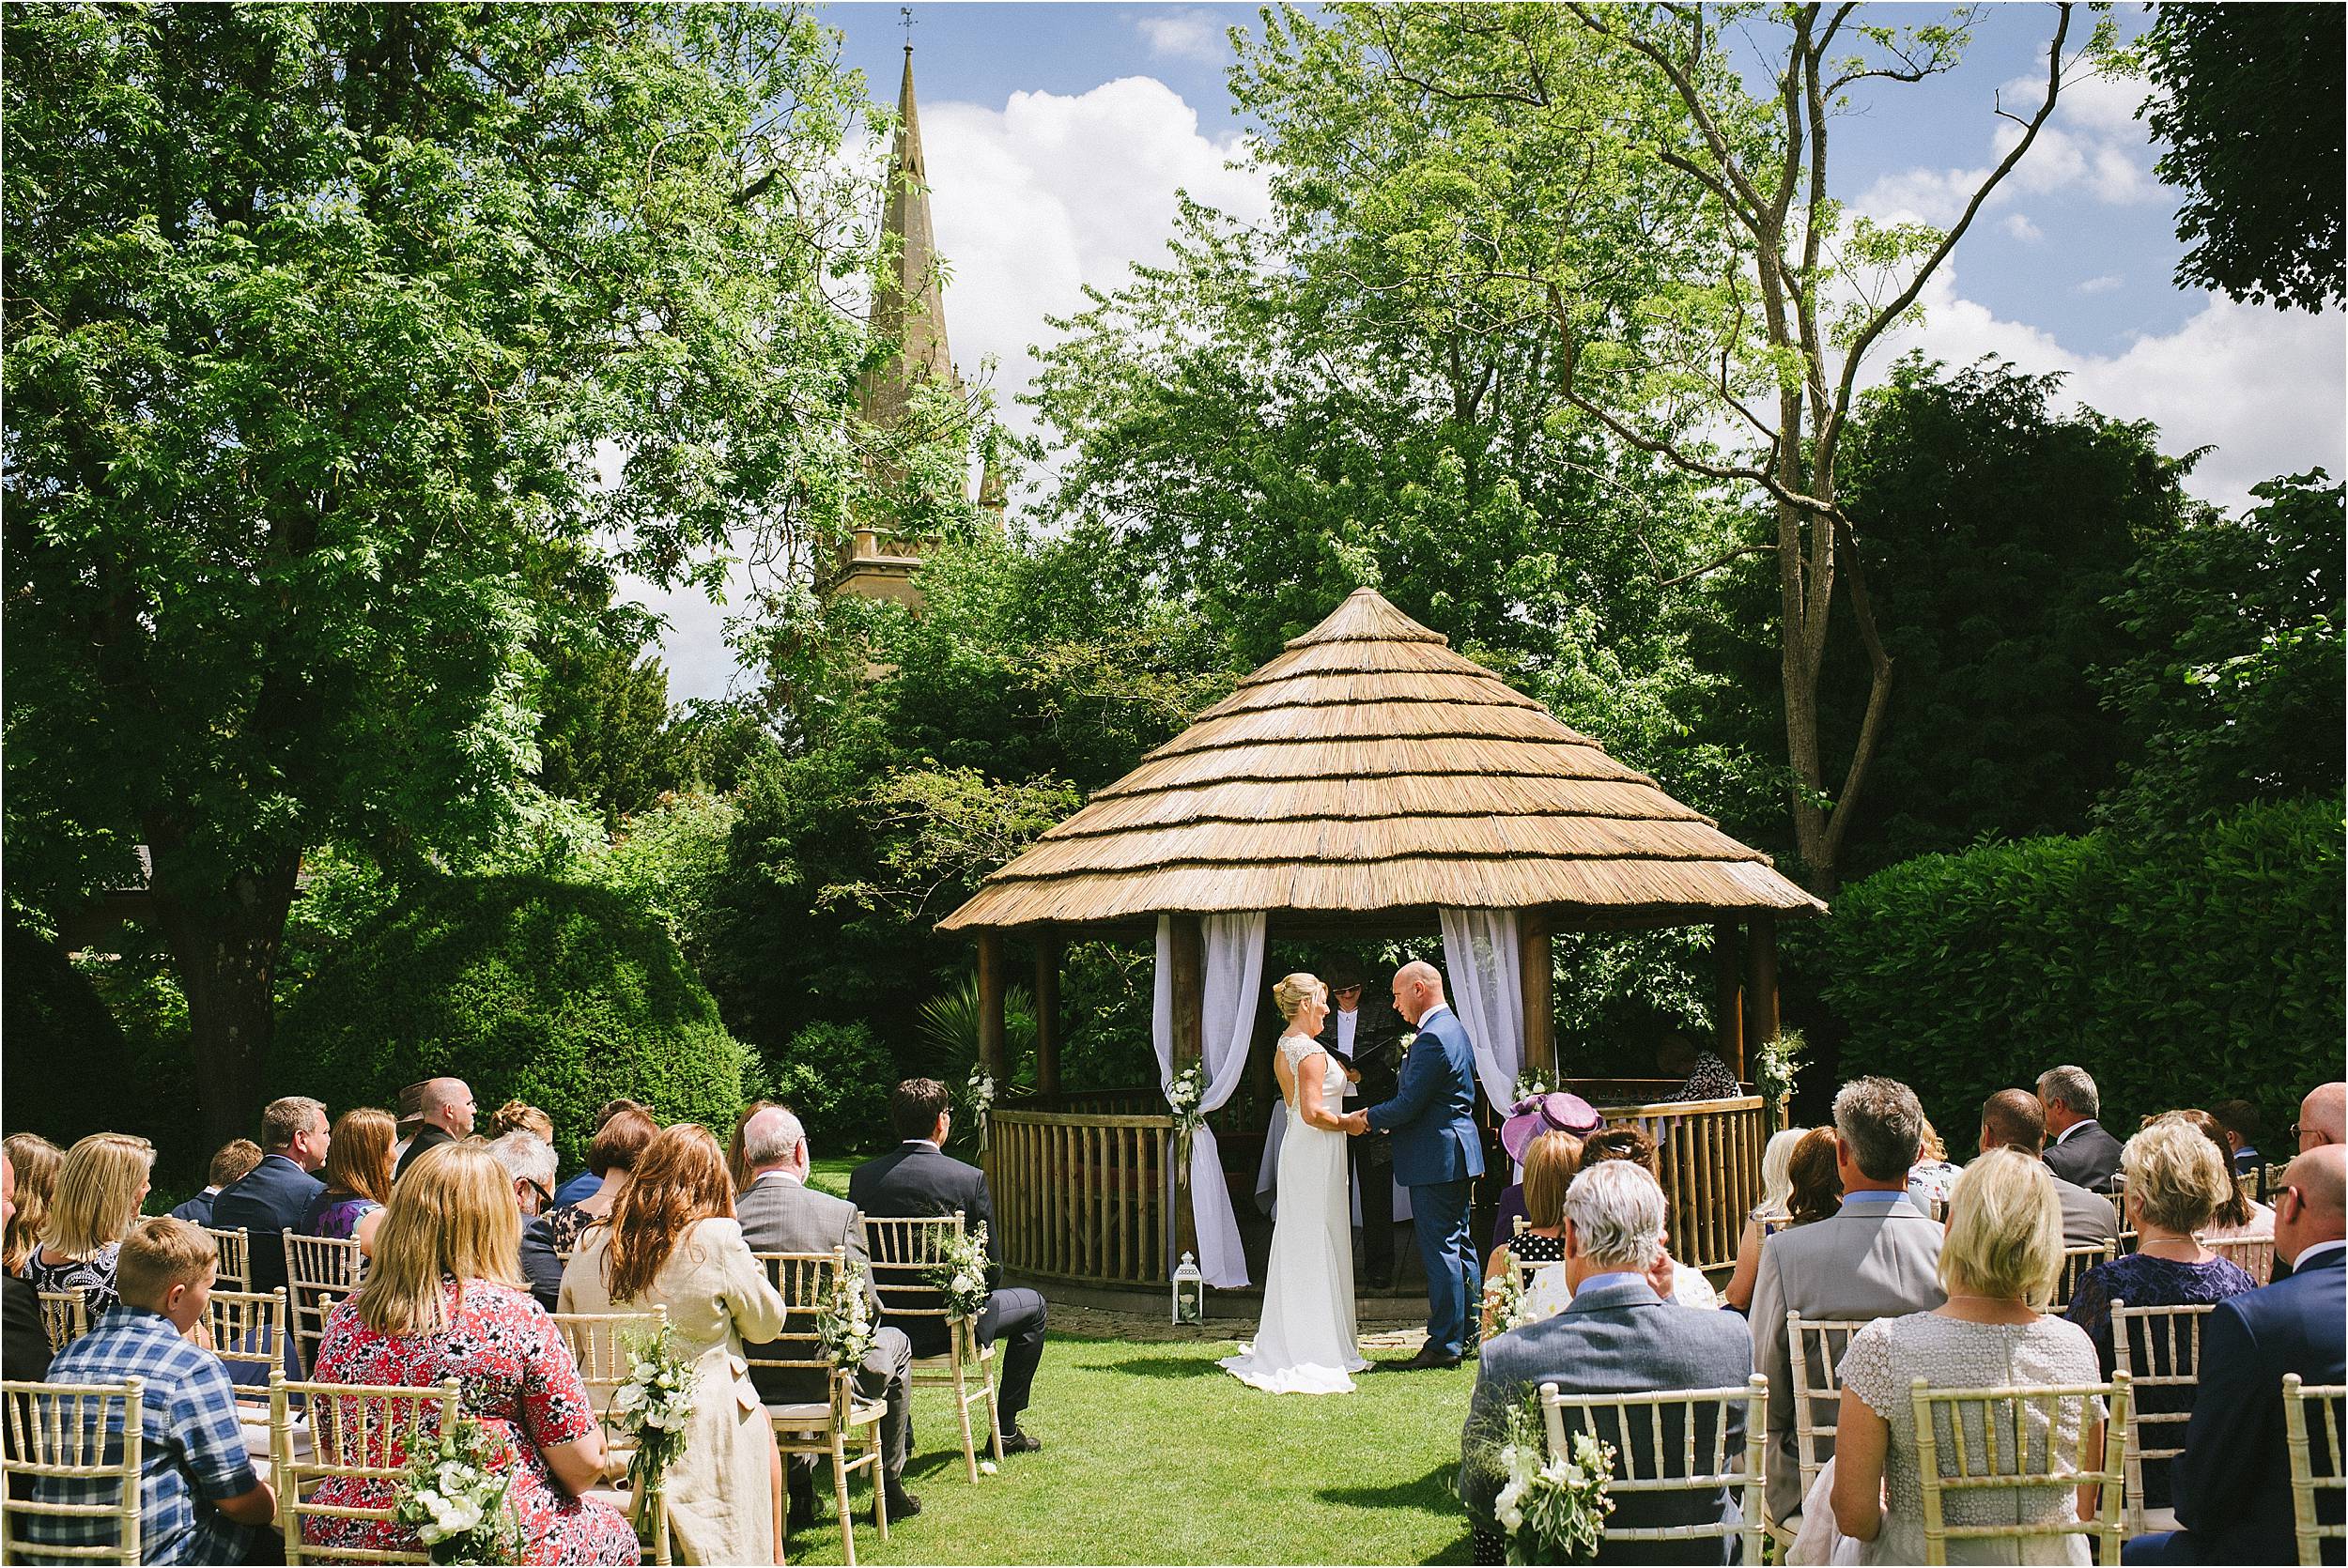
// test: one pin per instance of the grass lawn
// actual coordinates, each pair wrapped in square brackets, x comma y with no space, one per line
[1153,1453]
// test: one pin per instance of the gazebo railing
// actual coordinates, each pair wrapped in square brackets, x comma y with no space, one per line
[1708,1152]
[1081,1194]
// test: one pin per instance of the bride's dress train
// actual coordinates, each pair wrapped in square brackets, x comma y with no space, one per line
[1306,1343]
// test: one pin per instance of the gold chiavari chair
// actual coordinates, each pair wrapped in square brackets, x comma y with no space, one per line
[598,1341]
[83,1436]
[2326,1400]
[830,1425]
[319,1271]
[903,1253]
[2002,1441]
[2076,1261]
[1814,1347]
[235,1270]
[65,1317]
[2157,1347]
[356,1432]
[1675,1440]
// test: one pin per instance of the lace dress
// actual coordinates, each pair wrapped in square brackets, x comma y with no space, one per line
[1887,1354]
[1306,1342]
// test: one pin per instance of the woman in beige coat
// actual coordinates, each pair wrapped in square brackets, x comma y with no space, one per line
[672,1241]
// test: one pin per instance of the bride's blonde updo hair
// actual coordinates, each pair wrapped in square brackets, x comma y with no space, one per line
[1291,993]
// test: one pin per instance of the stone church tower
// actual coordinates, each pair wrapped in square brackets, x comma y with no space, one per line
[908,307]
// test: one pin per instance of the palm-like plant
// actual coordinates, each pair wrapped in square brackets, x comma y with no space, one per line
[947,1039]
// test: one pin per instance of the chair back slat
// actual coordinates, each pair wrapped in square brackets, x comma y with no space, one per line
[597,1341]
[235,1268]
[320,1270]
[1816,1347]
[358,1431]
[250,1329]
[78,1437]
[2306,1476]
[64,1317]
[2156,1347]
[2020,1451]
[2253,1254]
[1700,1461]
[903,1253]
[2076,1261]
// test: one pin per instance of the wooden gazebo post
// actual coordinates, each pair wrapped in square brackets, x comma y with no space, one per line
[991,1003]
[1761,982]
[1188,985]
[1537,978]
[1047,957]
[1728,999]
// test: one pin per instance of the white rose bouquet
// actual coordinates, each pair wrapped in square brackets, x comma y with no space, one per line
[1504,1292]
[1184,1096]
[656,1406]
[1552,1509]
[960,1273]
[1534,1083]
[979,1092]
[843,1320]
[455,1496]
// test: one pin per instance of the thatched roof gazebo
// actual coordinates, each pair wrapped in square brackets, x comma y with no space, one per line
[1360,784]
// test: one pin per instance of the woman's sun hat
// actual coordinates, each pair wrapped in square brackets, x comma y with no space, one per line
[1551,1113]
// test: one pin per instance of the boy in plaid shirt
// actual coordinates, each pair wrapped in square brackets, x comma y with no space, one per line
[201,1499]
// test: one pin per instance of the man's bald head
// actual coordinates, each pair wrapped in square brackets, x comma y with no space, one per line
[1417,987]
[2012,1118]
[2313,1206]
[448,1105]
[2323,1116]
[774,1139]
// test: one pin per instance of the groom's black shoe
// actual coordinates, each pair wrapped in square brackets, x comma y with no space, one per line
[1428,1360]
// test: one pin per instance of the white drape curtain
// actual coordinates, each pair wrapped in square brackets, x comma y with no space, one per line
[1479,948]
[1234,981]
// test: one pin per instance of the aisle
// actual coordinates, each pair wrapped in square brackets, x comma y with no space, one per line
[1154,1454]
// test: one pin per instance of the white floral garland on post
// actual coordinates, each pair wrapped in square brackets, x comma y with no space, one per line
[980,1091]
[656,1406]
[456,1498]
[960,1273]
[843,1320]
[1184,1096]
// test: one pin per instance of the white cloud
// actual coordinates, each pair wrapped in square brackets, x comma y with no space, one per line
[2093,144]
[2019,226]
[1185,35]
[2261,386]
[2102,284]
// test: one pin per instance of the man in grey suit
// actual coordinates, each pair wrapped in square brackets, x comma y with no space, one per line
[1617,1336]
[781,1213]
[2012,1118]
[2083,1152]
[1877,1256]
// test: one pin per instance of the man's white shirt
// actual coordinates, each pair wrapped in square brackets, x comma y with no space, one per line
[1347,1023]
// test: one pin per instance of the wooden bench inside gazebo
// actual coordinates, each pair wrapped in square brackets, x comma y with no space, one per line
[1355,789]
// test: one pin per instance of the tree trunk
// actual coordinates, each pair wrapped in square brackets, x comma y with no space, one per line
[223,942]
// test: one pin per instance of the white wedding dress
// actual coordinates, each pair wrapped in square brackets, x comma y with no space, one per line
[1306,1343]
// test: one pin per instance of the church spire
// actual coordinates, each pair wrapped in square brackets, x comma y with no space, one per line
[908,303]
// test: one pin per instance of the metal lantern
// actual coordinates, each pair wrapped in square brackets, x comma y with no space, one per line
[1190,1293]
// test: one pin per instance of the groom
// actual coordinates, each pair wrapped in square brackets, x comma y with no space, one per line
[1437,1155]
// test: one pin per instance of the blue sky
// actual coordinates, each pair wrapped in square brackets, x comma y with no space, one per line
[1057,135]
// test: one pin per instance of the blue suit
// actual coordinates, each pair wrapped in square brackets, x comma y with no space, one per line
[269,1200]
[1438,1154]
[2232,1485]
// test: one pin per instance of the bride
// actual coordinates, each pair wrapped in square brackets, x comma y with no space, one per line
[1305,1343]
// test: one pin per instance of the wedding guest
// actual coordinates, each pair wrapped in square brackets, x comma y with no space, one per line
[2241,1217]
[1877,1255]
[23,1339]
[1616,1337]
[1551,1163]
[1686,1287]
[2083,1152]
[916,1178]
[586,1181]
[229,1163]
[358,1174]
[2240,1120]
[409,1109]
[2176,1179]
[443,1300]
[610,1157]
[2232,1485]
[36,1159]
[673,1241]
[272,1198]
[1997,1267]
[737,1162]
[1705,1075]
[517,1117]
[2012,1118]
[1932,1178]
[2323,1117]
[1777,1191]
[99,1188]
[448,1116]
[1528,1119]
[781,1214]
[530,1177]
[1814,1181]
[200,1500]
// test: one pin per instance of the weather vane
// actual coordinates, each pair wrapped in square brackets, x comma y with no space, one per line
[906,11]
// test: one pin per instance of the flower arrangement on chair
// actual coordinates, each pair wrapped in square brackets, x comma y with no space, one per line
[960,1273]
[843,1320]
[1552,1510]
[457,1496]
[656,1408]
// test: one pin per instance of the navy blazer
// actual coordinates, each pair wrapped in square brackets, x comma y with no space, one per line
[913,1180]
[269,1200]
[1432,1113]
[1619,1338]
[2232,1485]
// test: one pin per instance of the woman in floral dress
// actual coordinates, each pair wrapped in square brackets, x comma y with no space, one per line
[444,1299]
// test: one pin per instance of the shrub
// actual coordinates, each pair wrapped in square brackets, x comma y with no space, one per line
[526,988]
[2202,968]
[67,1059]
[837,1077]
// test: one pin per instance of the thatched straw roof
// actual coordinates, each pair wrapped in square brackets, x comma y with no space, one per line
[1370,768]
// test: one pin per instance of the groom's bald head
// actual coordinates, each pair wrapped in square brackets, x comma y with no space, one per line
[1417,987]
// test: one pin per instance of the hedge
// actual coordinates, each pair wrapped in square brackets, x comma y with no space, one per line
[2203,969]
[526,988]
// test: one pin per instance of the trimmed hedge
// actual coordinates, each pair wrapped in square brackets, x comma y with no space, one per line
[2179,975]
[525,987]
